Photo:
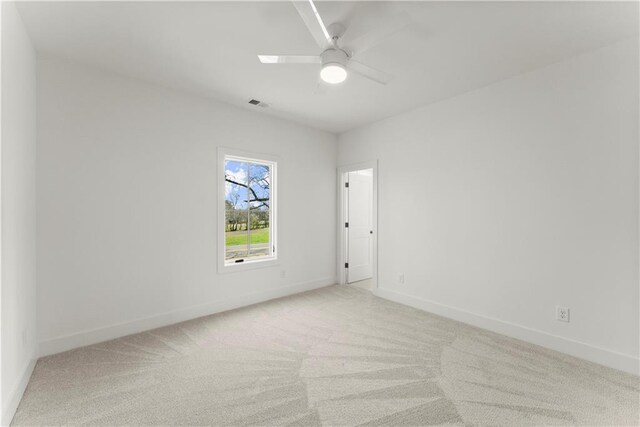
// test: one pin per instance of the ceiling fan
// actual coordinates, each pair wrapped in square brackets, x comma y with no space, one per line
[337,60]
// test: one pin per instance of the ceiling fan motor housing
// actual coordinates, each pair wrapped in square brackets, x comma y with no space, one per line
[334,56]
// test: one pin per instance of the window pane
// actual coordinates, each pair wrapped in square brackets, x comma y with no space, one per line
[236,179]
[248,210]
[260,203]
[236,216]
[260,233]
[259,183]
[235,236]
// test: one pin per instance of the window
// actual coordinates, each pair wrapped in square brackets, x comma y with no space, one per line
[249,210]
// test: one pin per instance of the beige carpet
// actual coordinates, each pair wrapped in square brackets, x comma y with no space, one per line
[335,356]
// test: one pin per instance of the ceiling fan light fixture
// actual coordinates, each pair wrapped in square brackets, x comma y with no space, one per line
[334,66]
[333,73]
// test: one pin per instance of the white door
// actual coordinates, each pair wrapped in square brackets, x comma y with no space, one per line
[360,229]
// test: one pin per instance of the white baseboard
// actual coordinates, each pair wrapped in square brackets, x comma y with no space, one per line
[69,342]
[15,395]
[612,359]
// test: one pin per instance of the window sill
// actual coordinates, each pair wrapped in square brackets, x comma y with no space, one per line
[247,265]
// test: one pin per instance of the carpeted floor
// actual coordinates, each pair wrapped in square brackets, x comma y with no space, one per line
[335,356]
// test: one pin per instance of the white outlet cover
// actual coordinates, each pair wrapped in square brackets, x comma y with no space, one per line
[562,314]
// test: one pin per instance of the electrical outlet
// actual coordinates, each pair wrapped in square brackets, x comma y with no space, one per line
[401,279]
[562,314]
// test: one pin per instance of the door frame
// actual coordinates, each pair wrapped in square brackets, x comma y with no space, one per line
[342,215]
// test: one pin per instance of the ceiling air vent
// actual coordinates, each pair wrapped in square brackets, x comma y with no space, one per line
[258,103]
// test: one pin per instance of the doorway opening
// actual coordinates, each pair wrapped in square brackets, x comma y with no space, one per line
[357,228]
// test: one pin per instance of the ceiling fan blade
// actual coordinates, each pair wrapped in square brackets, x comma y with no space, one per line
[289,59]
[372,38]
[368,72]
[313,21]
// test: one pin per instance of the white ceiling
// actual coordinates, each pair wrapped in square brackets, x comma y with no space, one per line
[210,48]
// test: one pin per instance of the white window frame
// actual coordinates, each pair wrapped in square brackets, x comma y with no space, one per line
[223,155]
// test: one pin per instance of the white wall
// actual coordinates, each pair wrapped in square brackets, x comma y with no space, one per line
[127,205]
[18,308]
[505,202]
